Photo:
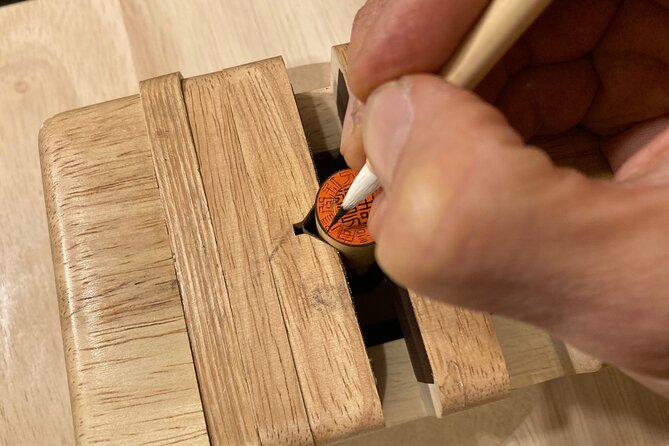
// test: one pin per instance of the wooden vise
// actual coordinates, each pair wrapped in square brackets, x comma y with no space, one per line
[192,312]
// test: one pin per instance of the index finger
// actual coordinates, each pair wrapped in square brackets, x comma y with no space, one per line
[397,37]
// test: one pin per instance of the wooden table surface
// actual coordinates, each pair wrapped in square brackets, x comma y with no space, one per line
[59,55]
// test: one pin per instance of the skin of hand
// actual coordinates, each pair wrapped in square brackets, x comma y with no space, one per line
[473,215]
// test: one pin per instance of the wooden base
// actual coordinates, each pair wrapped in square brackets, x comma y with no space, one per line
[192,313]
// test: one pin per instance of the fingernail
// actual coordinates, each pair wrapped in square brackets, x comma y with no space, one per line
[351,121]
[388,118]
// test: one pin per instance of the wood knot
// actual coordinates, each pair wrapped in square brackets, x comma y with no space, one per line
[325,298]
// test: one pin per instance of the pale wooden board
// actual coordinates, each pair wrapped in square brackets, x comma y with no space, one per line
[530,353]
[400,393]
[603,408]
[130,372]
[211,325]
[339,64]
[236,204]
[202,36]
[318,112]
[259,181]
[339,72]
[41,45]
[464,354]
[335,374]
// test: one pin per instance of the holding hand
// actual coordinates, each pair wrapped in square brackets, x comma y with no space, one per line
[470,214]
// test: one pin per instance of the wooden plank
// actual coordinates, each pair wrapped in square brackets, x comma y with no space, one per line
[319,116]
[211,327]
[339,64]
[344,409]
[129,363]
[243,248]
[337,382]
[259,180]
[464,355]
[582,362]
[530,353]
[401,395]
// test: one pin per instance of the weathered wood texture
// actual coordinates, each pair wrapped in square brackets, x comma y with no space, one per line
[242,246]
[464,355]
[319,115]
[335,374]
[302,348]
[211,326]
[339,66]
[129,364]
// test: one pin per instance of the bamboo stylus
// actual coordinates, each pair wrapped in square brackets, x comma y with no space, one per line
[503,22]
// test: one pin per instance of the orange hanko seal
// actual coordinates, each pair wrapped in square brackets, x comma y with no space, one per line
[351,230]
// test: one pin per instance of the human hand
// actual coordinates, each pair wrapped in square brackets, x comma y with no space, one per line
[472,215]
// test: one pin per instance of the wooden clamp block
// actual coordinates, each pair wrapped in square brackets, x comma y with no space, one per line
[191,311]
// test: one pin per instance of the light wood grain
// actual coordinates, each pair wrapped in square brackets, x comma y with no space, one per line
[237,202]
[401,395]
[129,363]
[40,47]
[211,325]
[532,357]
[202,36]
[339,62]
[530,353]
[339,79]
[262,99]
[463,353]
[335,374]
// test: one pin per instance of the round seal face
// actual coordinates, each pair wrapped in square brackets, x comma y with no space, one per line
[352,228]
